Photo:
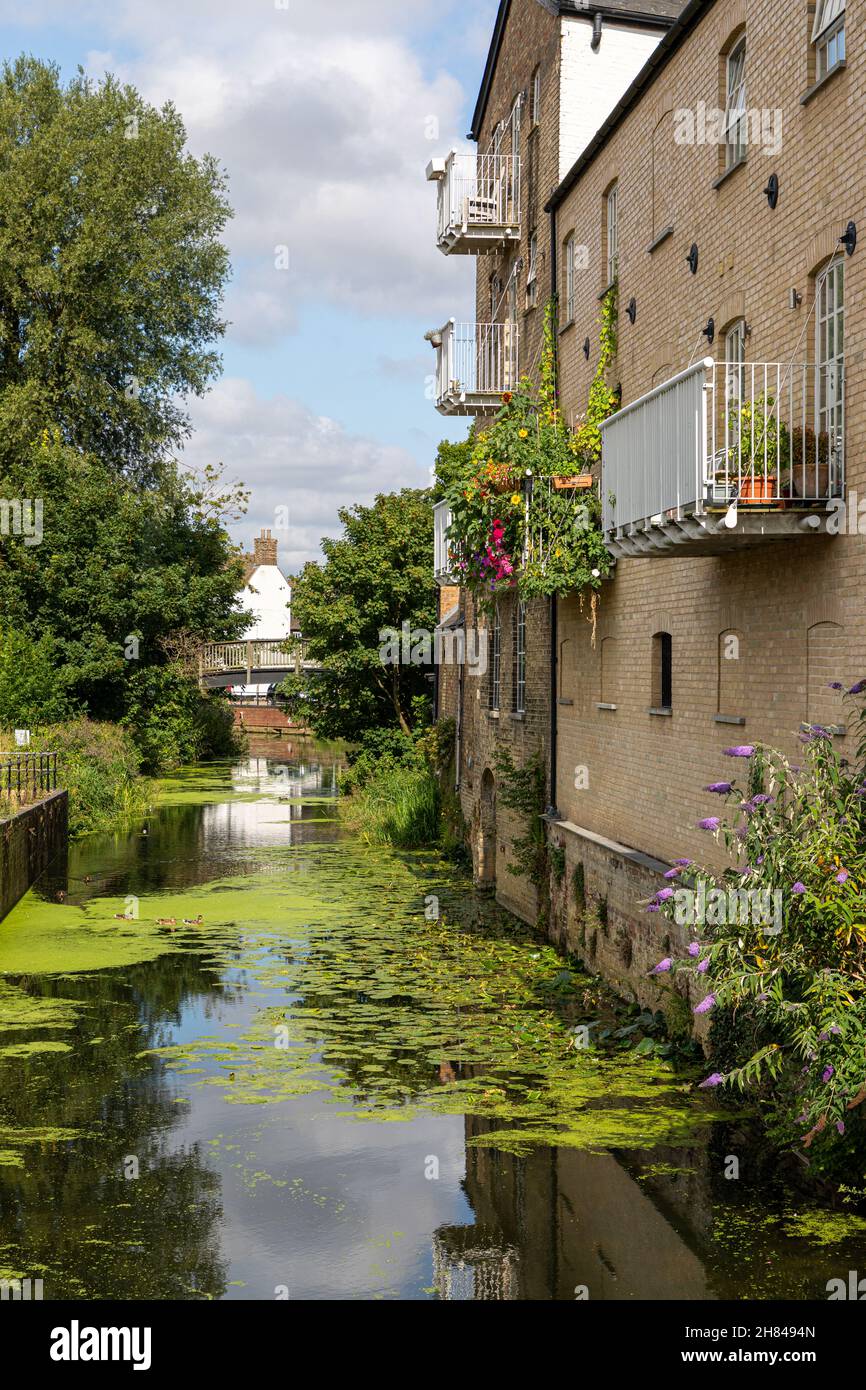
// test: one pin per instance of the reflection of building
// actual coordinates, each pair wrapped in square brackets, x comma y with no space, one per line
[267,595]
[470,1264]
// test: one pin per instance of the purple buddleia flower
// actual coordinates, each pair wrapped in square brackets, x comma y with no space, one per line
[743,750]
[715,1080]
[835,1030]
[711,823]
[704,966]
[799,889]
[762,799]
[858,688]
[762,998]
[683,863]
[835,685]
[653,907]
[720,788]
[840,1125]
[829,1073]
[706,1004]
[673,873]
[842,876]
[662,968]
[664,895]
[695,949]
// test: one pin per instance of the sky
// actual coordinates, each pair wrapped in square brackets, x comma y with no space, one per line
[324,116]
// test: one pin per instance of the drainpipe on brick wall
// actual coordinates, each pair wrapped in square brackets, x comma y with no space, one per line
[552,813]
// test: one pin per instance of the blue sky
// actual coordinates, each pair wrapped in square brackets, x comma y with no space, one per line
[321,114]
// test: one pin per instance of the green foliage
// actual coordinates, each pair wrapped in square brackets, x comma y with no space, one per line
[99,767]
[522,789]
[508,532]
[173,722]
[30,692]
[111,268]
[602,400]
[797,986]
[376,577]
[116,561]
[399,806]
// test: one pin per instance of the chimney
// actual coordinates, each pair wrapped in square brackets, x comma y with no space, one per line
[265,549]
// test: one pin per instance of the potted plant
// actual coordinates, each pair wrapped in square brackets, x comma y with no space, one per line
[761,446]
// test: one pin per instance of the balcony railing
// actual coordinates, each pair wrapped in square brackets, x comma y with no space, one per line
[722,455]
[441,548]
[475,364]
[478,202]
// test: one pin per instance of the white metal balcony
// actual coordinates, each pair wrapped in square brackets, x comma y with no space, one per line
[725,455]
[441,548]
[478,202]
[475,364]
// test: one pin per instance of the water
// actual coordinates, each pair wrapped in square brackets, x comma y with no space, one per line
[350,1079]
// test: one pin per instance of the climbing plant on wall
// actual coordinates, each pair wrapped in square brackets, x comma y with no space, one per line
[525,508]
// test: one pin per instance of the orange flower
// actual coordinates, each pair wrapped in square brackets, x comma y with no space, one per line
[507,397]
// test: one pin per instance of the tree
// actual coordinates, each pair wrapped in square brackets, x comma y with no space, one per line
[122,574]
[111,268]
[377,576]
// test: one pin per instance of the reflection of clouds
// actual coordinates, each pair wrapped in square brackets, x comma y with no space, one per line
[351,1188]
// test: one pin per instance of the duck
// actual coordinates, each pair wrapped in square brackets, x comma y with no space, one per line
[59,895]
[193,921]
[121,917]
[166,921]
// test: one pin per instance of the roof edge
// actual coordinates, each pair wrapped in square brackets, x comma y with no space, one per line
[688,20]
[638,17]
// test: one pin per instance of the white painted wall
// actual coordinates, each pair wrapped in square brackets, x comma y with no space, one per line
[591,84]
[268,597]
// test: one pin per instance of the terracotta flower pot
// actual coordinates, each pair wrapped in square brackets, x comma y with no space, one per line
[760,489]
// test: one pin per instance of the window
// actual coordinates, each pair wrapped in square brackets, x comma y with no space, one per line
[735,358]
[495,658]
[828,36]
[569,279]
[612,235]
[532,276]
[536,96]
[736,120]
[662,691]
[519,639]
[830,376]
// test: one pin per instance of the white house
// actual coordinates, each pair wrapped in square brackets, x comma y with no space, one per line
[267,594]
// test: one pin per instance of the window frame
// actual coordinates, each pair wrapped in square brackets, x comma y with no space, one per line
[532,273]
[830,364]
[663,673]
[570,278]
[520,657]
[612,232]
[736,334]
[495,688]
[736,116]
[536,98]
[828,36]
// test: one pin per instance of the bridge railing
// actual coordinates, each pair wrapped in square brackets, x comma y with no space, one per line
[266,654]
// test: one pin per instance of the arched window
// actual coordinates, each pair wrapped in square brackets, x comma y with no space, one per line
[612,232]
[830,381]
[570,279]
[662,672]
[494,689]
[536,97]
[736,119]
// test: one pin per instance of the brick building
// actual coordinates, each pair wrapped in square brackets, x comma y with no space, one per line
[721,194]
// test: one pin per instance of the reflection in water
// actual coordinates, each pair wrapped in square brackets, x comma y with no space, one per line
[306,1092]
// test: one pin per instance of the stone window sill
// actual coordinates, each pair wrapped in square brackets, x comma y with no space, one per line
[563,701]
[822,83]
[518,715]
[663,712]
[837,730]
[723,178]
[730,719]
[606,706]
[660,240]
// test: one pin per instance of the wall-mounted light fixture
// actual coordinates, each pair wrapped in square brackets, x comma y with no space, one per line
[710,331]
[795,299]
[632,310]
[771,192]
[692,258]
[849,238]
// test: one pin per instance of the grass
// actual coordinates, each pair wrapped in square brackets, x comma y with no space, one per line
[400,807]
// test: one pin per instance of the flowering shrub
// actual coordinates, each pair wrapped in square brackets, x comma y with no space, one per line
[780,935]
[510,527]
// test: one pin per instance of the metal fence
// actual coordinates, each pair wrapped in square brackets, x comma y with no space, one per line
[26,777]
[479,191]
[476,359]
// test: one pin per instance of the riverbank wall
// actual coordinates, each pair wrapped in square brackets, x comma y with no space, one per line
[29,841]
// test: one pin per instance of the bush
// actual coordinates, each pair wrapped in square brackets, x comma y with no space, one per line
[398,806]
[172,722]
[99,767]
[32,691]
[789,959]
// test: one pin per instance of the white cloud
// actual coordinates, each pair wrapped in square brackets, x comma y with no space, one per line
[295,460]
